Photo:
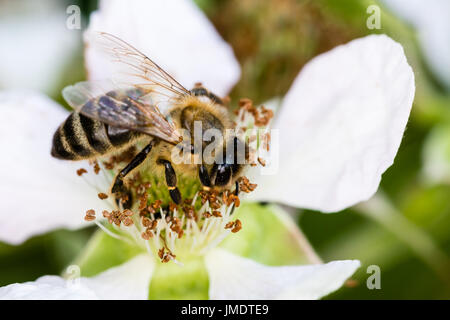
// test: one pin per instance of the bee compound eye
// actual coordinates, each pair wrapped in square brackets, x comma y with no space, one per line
[223,175]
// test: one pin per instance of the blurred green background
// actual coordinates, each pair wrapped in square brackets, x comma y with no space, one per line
[272,40]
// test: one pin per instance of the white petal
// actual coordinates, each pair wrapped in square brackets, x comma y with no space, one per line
[175,34]
[431,19]
[130,280]
[39,193]
[48,288]
[340,126]
[234,277]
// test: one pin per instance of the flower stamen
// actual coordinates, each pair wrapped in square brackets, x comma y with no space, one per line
[160,226]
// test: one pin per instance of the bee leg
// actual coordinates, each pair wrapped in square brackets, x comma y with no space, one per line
[204,176]
[118,185]
[171,180]
[236,193]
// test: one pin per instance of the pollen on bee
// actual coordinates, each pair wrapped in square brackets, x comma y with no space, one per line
[108,165]
[124,157]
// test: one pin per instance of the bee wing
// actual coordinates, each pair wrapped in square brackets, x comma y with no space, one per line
[136,69]
[128,108]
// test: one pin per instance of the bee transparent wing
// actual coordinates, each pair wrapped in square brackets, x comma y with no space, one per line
[133,68]
[79,94]
[128,108]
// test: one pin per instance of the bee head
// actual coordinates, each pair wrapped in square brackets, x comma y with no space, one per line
[229,163]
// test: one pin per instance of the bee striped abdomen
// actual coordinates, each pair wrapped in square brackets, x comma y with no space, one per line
[76,137]
[96,134]
[120,137]
[60,147]
[81,137]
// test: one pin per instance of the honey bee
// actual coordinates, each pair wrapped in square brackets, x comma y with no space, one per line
[109,118]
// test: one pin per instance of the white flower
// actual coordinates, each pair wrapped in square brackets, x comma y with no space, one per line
[231,277]
[176,34]
[340,124]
